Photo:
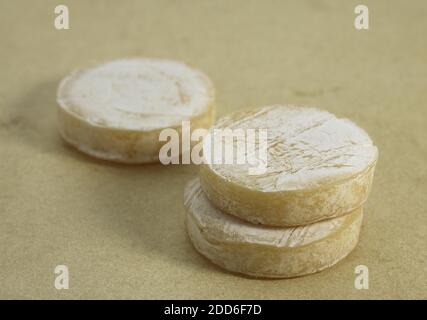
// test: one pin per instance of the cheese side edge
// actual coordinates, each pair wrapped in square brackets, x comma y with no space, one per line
[261,251]
[287,208]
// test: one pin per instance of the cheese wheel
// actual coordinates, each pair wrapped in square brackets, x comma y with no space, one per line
[318,167]
[261,251]
[116,110]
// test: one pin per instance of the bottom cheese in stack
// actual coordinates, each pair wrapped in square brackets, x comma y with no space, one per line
[262,251]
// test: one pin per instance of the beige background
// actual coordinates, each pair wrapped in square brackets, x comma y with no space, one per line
[120,229]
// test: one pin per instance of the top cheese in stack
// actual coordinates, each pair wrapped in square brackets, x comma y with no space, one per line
[317,167]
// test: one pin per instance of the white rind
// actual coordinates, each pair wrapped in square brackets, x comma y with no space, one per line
[318,167]
[116,110]
[261,251]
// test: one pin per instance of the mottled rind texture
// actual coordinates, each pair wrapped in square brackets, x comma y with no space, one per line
[126,146]
[287,208]
[318,167]
[126,118]
[216,236]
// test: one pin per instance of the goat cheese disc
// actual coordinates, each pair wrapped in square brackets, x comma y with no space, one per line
[116,110]
[262,251]
[316,166]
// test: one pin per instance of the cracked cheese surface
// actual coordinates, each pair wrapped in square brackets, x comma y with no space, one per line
[318,167]
[306,147]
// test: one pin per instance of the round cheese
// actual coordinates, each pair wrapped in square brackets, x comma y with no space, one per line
[261,251]
[316,167]
[116,110]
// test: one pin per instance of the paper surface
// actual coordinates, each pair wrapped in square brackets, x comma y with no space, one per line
[120,229]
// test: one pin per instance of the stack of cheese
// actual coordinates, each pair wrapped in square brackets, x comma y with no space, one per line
[302,214]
